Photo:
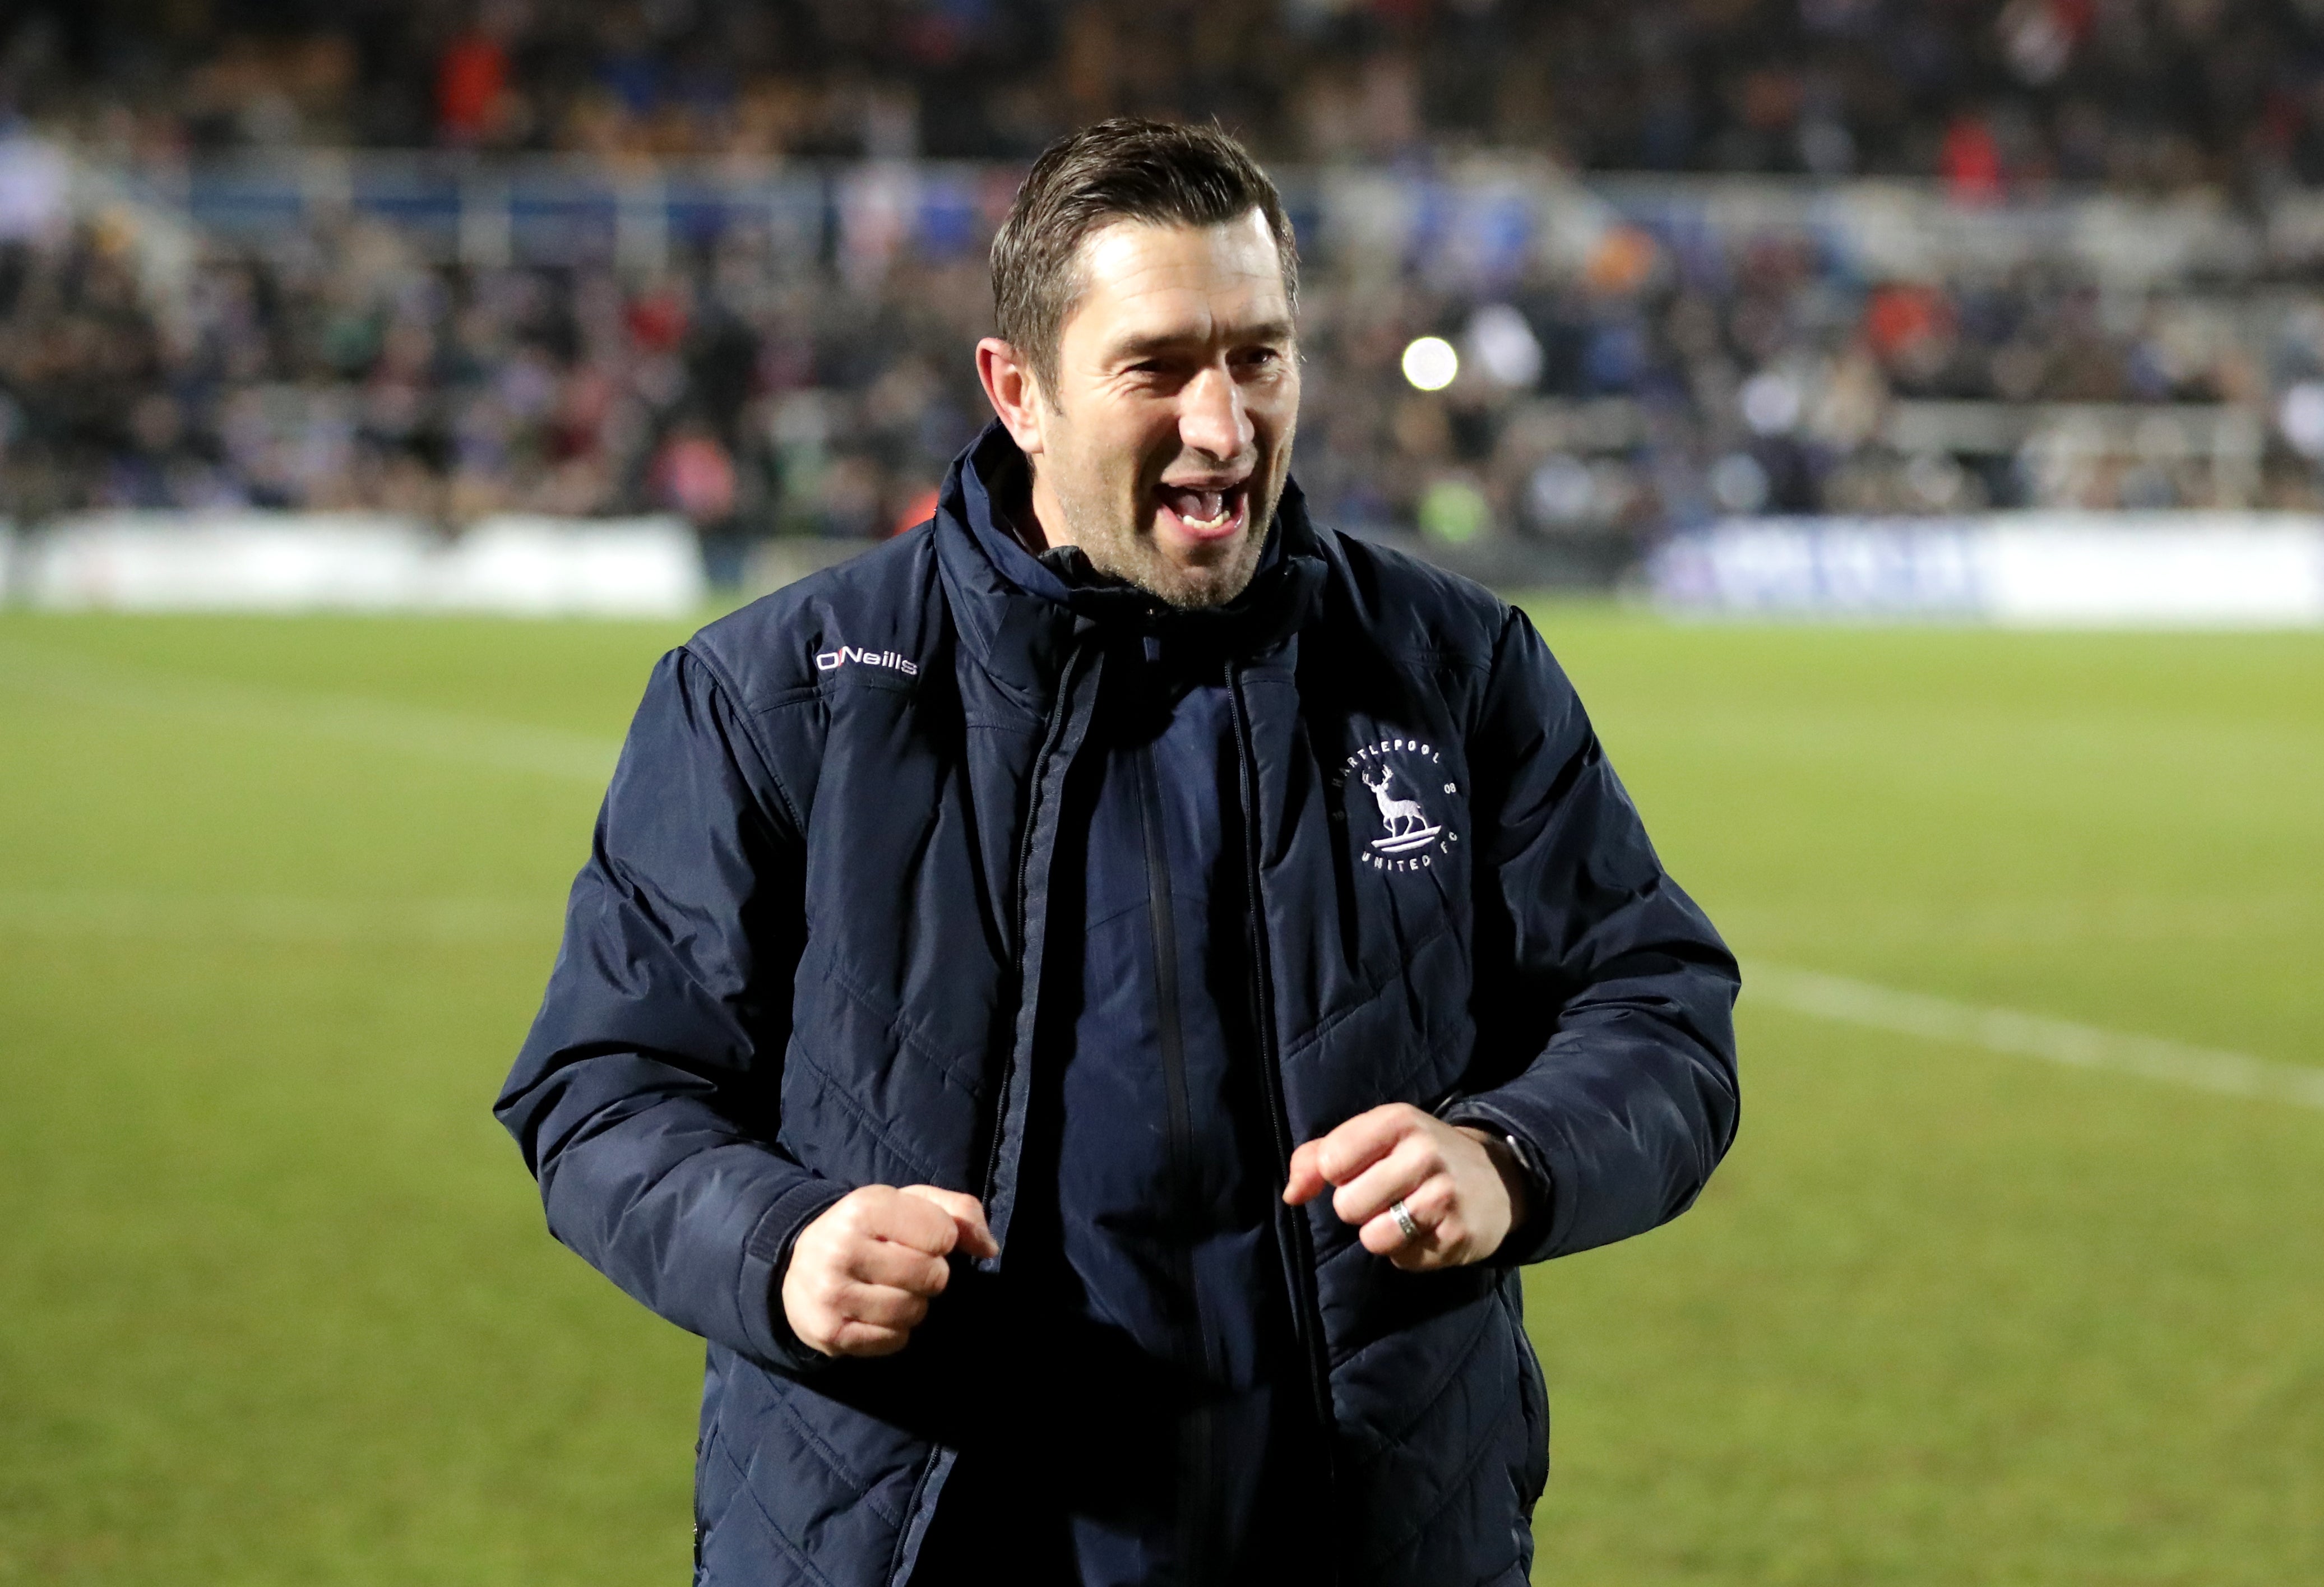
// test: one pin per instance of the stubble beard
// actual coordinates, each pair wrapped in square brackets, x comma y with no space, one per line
[1117,544]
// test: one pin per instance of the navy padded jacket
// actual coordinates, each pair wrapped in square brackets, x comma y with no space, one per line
[805,955]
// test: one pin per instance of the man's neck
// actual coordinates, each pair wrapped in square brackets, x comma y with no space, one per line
[1034,515]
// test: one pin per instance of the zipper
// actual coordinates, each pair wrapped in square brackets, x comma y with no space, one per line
[1160,917]
[1307,1310]
[1060,713]
[1163,921]
[1195,1530]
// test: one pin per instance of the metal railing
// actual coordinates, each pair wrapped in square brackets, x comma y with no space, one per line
[1469,224]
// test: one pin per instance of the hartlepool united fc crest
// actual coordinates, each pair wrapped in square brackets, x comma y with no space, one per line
[1411,796]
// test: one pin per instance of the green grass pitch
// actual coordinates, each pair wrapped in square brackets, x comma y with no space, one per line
[276,1307]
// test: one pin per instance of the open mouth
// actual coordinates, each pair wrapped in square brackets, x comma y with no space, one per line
[1206,513]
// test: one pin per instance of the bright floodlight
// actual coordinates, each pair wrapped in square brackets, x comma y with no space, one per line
[1431,364]
[2301,414]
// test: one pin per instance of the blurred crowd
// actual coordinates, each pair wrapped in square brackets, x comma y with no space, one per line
[763,383]
[759,391]
[1995,96]
[349,376]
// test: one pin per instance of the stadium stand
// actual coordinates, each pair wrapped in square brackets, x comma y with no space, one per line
[704,259]
[784,354]
[2015,93]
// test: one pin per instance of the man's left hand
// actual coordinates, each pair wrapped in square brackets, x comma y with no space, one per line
[1462,1189]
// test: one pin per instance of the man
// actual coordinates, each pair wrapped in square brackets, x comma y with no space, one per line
[1087,1006]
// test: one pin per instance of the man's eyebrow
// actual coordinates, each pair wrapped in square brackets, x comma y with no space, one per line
[1133,346]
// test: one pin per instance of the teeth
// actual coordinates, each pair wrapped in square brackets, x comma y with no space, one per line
[1214,507]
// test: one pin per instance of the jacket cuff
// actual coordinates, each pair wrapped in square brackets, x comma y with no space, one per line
[766,1256]
[1527,1242]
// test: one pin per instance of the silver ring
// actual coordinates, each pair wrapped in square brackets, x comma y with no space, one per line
[1403,1216]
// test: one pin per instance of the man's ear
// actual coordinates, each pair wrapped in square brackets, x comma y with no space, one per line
[1010,385]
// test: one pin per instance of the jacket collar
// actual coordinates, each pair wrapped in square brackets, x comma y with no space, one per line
[1017,613]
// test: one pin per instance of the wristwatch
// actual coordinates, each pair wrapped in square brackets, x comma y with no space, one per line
[1532,1173]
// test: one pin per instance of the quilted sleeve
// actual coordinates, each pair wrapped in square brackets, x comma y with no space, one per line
[644,1096]
[1604,986]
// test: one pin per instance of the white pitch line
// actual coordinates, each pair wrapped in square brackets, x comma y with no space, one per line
[510,746]
[2033,1036]
[195,918]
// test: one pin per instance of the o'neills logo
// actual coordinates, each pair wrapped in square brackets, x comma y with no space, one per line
[1407,780]
[833,660]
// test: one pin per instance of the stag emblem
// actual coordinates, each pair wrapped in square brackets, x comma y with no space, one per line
[1398,816]
[1407,825]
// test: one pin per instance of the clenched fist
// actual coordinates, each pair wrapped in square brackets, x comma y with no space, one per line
[862,1274]
[1462,1189]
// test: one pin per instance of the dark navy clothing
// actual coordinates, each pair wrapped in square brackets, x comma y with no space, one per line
[1152,1218]
[834,931]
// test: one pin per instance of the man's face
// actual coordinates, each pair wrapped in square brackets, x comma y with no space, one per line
[1164,442]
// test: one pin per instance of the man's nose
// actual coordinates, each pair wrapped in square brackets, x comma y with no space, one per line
[1212,418]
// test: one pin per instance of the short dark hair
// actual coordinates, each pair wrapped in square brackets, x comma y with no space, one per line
[1126,168]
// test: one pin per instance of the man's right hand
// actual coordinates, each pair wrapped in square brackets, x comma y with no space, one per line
[862,1274]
